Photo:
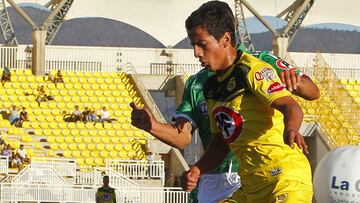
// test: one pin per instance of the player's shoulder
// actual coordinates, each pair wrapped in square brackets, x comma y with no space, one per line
[200,76]
[251,62]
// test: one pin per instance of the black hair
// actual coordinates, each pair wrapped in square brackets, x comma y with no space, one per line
[216,17]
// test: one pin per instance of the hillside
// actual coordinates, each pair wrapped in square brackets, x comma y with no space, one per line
[111,33]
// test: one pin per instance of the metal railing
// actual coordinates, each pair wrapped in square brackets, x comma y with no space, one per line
[4,165]
[44,175]
[65,167]
[81,194]
[111,59]
[138,169]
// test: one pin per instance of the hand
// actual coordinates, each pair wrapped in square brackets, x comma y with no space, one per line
[190,178]
[290,79]
[141,118]
[291,136]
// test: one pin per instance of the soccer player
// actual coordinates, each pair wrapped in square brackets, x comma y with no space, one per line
[105,194]
[192,113]
[250,112]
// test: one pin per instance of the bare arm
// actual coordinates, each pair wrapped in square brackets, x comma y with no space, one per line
[293,116]
[301,86]
[213,157]
[177,135]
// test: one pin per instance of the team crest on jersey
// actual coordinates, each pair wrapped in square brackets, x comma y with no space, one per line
[265,74]
[203,108]
[284,65]
[275,87]
[106,197]
[231,84]
[229,121]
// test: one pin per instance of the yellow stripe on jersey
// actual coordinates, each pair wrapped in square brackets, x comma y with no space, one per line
[254,130]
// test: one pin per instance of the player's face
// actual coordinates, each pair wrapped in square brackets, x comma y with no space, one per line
[207,49]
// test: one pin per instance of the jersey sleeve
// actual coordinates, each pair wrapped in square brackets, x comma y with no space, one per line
[265,83]
[276,62]
[185,109]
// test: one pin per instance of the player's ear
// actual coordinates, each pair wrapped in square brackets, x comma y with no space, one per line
[226,39]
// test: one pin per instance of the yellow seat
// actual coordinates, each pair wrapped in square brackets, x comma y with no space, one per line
[89,161]
[85,153]
[76,154]
[63,146]
[109,147]
[95,154]
[100,147]
[69,139]
[82,146]
[99,161]
[54,146]
[80,161]
[60,139]
[91,146]
[104,154]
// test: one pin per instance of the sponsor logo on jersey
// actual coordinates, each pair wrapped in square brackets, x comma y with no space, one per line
[285,65]
[229,121]
[106,197]
[231,84]
[203,108]
[281,197]
[275,171]
[275,87]
[265,73]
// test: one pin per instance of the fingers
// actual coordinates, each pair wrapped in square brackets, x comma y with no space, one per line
[301,143]
[294,136]
[190,179]
[290,79]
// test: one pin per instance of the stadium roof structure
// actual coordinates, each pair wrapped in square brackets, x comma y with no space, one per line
[85,31]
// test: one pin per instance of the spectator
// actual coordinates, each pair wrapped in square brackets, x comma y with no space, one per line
[2,139]
[93,116]
[104,116]
[58,77]
[77,114]
[86,115]
[150,157]
[67,117]
[16,162]
[23,116]
[14,115]
[6,75]
[6,151]
[22,154]
[41,96]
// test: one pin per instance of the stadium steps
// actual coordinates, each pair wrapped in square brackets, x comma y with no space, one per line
[94,90]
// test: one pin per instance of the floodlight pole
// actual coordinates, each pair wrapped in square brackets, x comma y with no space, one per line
[43,35]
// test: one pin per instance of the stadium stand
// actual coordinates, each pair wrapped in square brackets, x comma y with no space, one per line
[46,121]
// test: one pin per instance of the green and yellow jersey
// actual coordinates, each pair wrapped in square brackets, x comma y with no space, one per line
[239,109]
[105,195]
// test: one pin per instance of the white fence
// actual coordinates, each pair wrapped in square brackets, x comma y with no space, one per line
[44,175]
[4,165]
[64,167]
[116,58]
[138,169]
[81,194]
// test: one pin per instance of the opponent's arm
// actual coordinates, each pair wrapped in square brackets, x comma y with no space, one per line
[177,135]
[213,157]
